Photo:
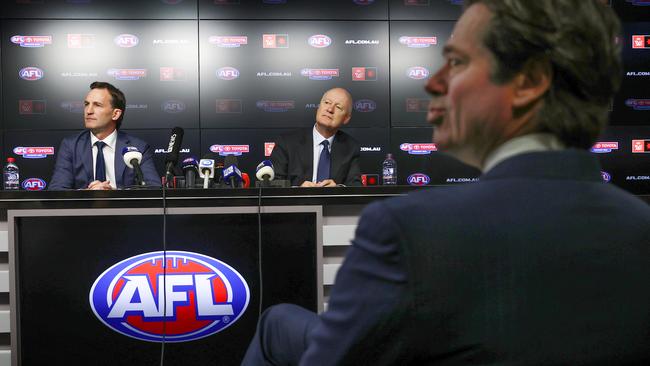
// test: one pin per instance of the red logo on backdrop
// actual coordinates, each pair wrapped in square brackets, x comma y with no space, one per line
[228,41]
[31,41]
[35,152]
[275,41]
[641,146]
[639,41]
[76,40]
[417,104]
[364,74]
[228,106]
[32,106]
[236,150]
[268,148]
[172,74]
[418,42]
[418,148]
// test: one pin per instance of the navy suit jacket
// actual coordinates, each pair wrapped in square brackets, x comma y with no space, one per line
[74,163]
[540,262]
[293,158]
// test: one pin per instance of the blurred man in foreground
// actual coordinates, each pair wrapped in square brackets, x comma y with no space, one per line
[539,263]
[92,159]
[323,156]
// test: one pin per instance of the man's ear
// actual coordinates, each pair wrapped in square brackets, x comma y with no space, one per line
[532,82]
[347,119]
[116,114]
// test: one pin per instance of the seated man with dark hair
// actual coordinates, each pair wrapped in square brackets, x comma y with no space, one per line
[92,159]
[322,156]
[538,263]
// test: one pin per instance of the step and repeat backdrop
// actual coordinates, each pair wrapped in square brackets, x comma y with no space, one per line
[237,73]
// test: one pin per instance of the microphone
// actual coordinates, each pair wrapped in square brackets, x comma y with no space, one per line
[173,149]
[191,169]
[231,174]
[265,172]
[246,180]
[206,171]
[132,158]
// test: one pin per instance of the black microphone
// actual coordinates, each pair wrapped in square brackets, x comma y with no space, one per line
[231,174]
[173,149]
[191,169]
[132,158]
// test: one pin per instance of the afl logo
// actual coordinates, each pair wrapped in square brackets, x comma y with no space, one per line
[227,73]
[606,176]
[319,41]
[418,179]
[192,296]
[365,105]
[126,40]
[34,184]
[30,73]
[417,72]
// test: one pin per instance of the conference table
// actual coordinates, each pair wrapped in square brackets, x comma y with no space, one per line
[131,276]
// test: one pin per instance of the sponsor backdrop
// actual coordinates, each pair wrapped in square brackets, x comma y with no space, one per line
[236,73]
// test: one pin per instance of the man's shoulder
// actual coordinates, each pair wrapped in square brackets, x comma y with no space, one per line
[297,136]
[76,138]
[123,136]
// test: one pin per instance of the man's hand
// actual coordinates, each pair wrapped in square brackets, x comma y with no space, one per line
[99,186]
[326,183]
[308,183]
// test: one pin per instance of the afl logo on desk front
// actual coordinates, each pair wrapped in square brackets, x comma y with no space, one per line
[189,297]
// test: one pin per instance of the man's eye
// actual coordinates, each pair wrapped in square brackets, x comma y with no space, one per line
[453,61]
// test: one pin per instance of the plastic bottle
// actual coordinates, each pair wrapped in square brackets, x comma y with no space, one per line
[389,171]
[11,175]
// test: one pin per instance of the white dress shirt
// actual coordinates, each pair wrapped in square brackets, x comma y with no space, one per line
[109,155]
[318,148]
[522,144]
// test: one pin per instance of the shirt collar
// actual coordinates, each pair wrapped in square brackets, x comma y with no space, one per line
[520,145]
[318,138]
[110,140]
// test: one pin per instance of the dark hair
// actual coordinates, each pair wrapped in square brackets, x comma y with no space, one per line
[118,100]
[578,41]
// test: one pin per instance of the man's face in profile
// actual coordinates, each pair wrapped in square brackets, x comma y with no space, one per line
[469,112]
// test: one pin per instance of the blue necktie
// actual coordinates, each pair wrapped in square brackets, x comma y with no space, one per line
[323,171]
[100,166]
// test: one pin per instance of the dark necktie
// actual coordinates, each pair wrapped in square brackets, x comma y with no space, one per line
[100,166]
[323,171]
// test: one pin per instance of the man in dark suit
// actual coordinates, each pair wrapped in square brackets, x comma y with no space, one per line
[323,156]
[540,262]
[92,159]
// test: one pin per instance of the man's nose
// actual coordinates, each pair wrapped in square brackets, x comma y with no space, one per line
[437,84]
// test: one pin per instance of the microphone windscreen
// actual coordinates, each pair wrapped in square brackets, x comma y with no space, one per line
[129,153]
[189,163]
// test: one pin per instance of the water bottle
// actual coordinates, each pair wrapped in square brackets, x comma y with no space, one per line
[10,175]
[389,171]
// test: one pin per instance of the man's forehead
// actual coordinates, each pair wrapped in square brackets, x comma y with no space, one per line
[97,94]
[469,29]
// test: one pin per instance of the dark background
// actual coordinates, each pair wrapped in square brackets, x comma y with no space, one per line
[175,35]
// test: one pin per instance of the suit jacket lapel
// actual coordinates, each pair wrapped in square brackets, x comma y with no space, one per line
[120,167]
[85,151]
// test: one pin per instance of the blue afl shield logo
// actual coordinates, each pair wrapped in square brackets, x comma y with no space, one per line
[171,296]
